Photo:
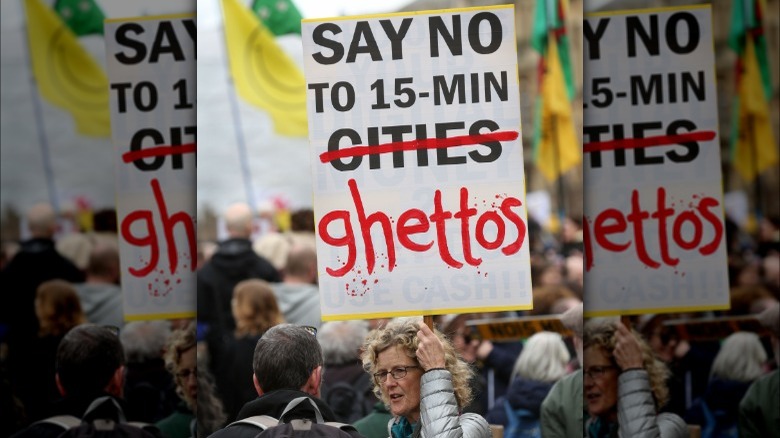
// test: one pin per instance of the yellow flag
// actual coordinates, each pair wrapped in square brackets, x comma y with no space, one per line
[263,74]
[67,76]
[557,125]
[755,148]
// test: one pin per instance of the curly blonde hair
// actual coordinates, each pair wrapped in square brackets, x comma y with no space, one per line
[403,332]
[601,334]
[255,308]
[180,341]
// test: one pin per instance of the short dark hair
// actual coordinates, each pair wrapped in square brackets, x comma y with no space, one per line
[285,357]
[87,358]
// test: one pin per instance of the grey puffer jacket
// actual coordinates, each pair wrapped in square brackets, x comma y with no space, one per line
[439,411]
[636,410]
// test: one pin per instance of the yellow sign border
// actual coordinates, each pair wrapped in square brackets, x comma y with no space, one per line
[429,312]
[155,316]
[619,312]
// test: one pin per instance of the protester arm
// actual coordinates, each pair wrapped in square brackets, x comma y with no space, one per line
[439,410]
[636,410]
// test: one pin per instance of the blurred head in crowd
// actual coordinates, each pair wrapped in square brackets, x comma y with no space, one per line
[770,266]
[573,270]
[75,247]
[105,221]
[274,247]
[104,263]
[552,299]
[302,220]
[398,339]
[748,300]
[543,359]
[181,361]
[90,361]
[741,358]
[254,308]
[770,318]
[572,320]
[288,357]
[145,340]
[301,264]
[42,221]
[238,221]
[662,339]
[600,384]
[341,341]
[58,308]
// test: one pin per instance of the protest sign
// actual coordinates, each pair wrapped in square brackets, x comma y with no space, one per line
[414,127]
[711,329]
[515,329]
[654,235]
[151,69]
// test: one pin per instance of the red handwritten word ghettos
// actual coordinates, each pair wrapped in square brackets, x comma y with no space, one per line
[150,239]
[415,221]
[612,222]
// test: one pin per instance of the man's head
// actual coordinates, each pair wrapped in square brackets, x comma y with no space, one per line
[288,357]
[104,263]
[301,264]
[238,220]
[42,221]
[572,320]
[90,361]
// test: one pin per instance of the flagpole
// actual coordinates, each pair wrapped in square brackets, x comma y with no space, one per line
[557,159]
[748,25]
[43,140]
[550,7]
[238,127]
[754,162]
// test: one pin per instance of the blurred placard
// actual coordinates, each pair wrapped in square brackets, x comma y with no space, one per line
[654,234]
[151,69]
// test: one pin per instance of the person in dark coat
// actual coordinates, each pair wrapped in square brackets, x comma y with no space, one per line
[543,361]
[346,387]
[739,363]
[287,364]
[36,261]
[90,365]
[255,310]
[234,261]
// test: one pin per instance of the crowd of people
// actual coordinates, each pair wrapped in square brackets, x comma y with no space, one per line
[259,347]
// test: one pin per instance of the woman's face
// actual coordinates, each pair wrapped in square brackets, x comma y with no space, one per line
[187,376]
[403,394]
[600,378]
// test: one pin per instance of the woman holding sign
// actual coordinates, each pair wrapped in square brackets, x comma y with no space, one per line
[418,375]
[624,386]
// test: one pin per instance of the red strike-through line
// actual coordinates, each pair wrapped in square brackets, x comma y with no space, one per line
[413,145]
[661,140]
[158,151]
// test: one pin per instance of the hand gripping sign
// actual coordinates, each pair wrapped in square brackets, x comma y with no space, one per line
[414,125]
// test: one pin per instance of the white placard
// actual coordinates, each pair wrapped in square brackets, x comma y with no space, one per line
[151,69]
[414,127]
[654,231]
